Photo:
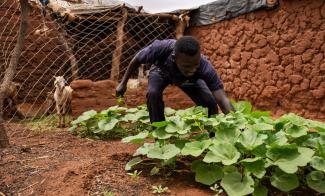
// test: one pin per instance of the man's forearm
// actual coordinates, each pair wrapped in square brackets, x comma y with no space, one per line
[223,101]
[133,65]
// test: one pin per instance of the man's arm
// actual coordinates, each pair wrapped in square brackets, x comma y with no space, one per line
[133,65]
[147,55]
[223,101]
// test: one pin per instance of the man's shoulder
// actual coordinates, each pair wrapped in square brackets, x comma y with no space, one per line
[165,43]
[204,60]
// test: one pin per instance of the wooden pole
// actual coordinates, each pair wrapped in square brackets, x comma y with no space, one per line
[181,23]
[10,71]
[116,59]
[71,56]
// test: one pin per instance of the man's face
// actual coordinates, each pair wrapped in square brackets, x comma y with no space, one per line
[187,64]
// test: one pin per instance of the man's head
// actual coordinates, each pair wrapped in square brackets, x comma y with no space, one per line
[187,55]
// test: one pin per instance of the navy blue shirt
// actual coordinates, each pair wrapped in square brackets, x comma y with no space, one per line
[160,54]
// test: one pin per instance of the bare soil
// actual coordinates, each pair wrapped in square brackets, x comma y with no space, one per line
[59,163]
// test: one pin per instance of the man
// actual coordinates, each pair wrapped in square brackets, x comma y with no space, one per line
[178,63]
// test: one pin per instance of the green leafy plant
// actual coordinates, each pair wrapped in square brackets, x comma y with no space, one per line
[159,189]
[135,174]
[114,122]
[216,189]
[107,193]
[248,147]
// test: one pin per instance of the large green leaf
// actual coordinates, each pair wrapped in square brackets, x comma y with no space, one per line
[136,139]
[243,106]
[206,173]
[195,148]
[293,119]
[258,114]
[236,185]
[251,139]
[169,111]
[165,152]
[296,131]
[278,138]
[260,191]
[129,117]
[144,149]
[316,181]
[84,117]
[318,163]
[289,157]
[116,109]
[229,135]
[222,152]
[283,181]
[319,126]
[132,163]
[262,127]
[132,110]
[255,166]
[142,114]
[160,124]
[260,151]
[107,125]
[160,133]
[171,128]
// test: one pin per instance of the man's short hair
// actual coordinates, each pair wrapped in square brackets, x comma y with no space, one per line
[187,45]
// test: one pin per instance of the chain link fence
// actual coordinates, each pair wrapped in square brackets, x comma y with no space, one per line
[93,42]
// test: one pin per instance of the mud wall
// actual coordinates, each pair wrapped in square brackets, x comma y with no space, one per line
[88,95]
[273,58]
[40,56]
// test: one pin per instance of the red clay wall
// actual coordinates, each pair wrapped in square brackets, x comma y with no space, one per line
[274,58]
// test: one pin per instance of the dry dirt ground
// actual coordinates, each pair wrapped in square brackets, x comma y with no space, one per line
[59,163]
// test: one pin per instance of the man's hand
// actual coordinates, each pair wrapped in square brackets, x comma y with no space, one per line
[120,89]
[223,101]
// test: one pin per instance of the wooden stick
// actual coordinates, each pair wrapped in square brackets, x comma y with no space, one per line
[11,69]
[71,56]
[116,59]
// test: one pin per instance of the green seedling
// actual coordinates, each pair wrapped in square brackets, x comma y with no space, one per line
[107,193]
[120,100]
[216,189]
[135,174]
[159,189]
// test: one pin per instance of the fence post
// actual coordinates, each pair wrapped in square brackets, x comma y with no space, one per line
[10,71]
[71,56]
[116,59]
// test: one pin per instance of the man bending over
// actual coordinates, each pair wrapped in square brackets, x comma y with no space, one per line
[178,63]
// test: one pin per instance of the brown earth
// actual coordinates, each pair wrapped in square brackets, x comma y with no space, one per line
[59,163]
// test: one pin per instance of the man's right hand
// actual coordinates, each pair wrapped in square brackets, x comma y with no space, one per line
[120,89]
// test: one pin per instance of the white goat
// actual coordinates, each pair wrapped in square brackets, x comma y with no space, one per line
[62,97]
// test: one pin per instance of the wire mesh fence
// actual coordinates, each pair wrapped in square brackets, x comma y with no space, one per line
[89,45]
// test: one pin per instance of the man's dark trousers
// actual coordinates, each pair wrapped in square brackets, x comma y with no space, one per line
[197,91]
